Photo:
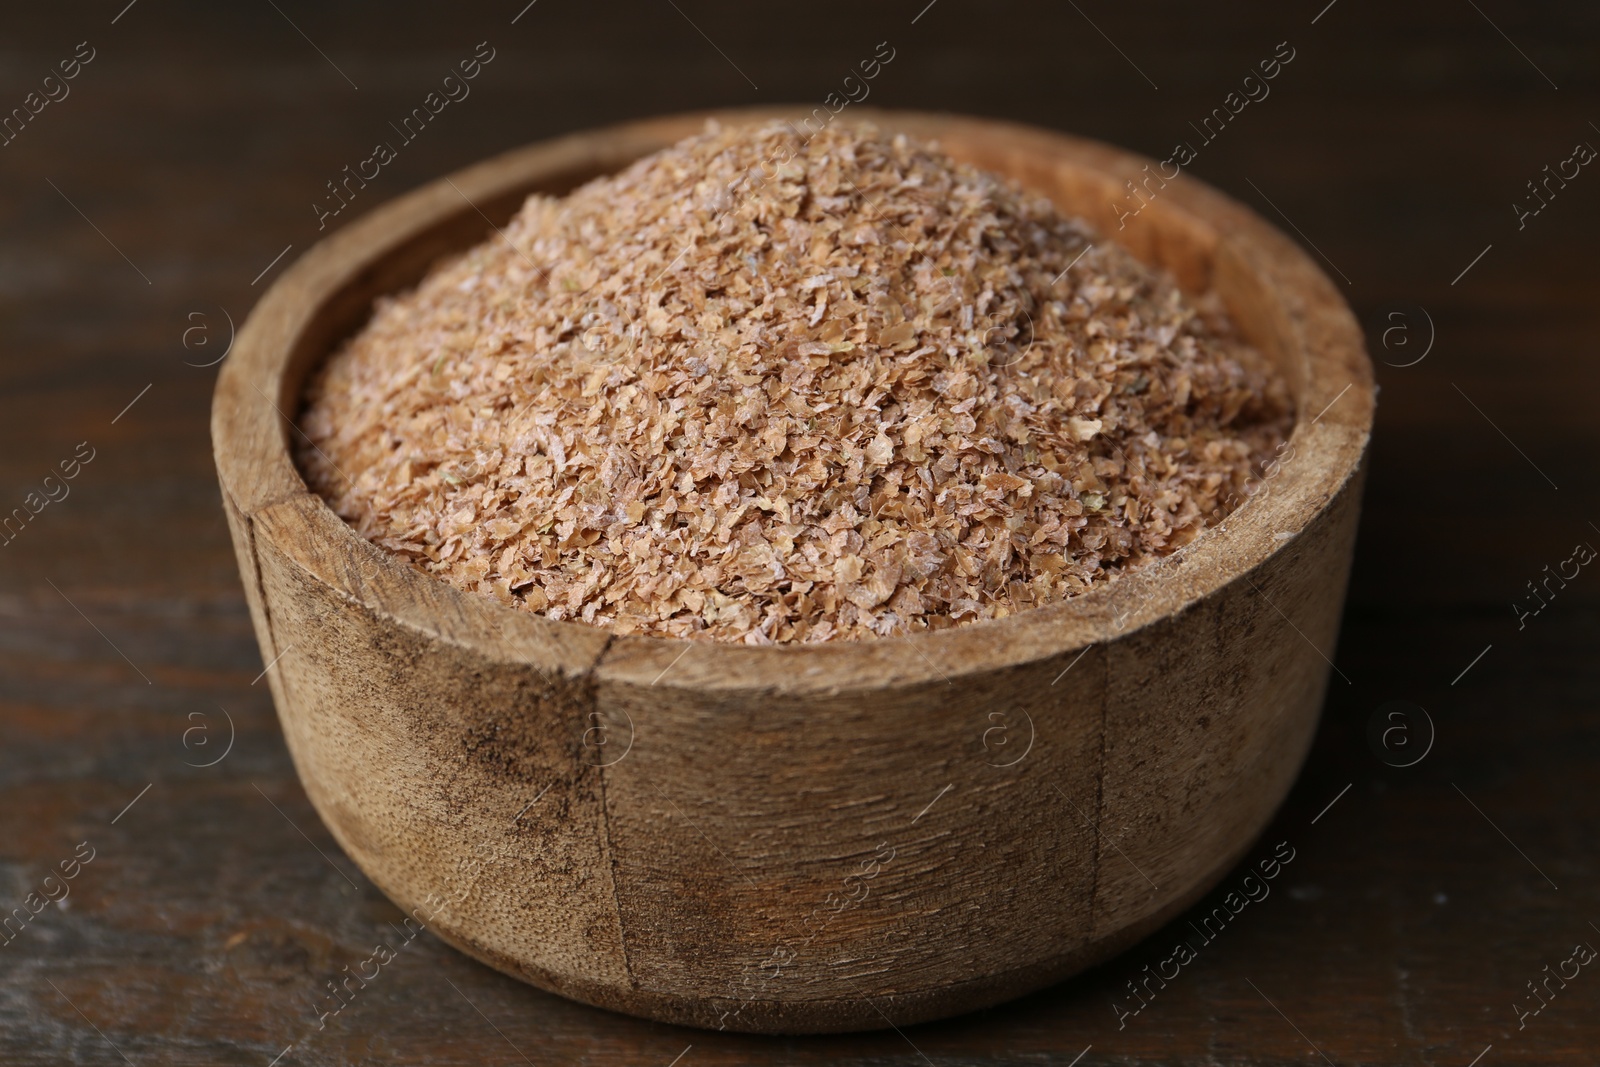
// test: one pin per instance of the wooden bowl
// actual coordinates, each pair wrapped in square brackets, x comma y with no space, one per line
[821,837]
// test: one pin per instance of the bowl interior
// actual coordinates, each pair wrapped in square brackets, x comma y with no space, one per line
[1279,300]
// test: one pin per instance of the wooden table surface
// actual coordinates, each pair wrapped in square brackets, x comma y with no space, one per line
[148,205]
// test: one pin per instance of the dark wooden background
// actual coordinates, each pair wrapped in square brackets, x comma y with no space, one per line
[188,155]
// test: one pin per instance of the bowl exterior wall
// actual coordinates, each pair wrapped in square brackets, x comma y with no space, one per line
[733,860]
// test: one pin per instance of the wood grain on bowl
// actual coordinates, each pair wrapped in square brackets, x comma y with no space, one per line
[806,838]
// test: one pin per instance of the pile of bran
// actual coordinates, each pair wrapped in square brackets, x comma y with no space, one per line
[765,388]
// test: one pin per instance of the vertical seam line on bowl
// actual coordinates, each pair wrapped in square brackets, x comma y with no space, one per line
[1099,795]
[248,521]
[591,678]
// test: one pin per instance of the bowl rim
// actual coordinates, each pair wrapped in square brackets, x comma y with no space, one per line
[251,433]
